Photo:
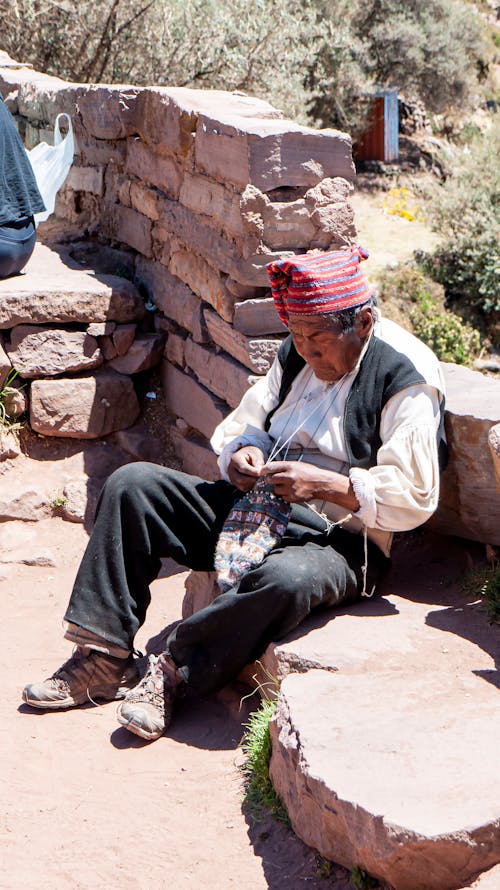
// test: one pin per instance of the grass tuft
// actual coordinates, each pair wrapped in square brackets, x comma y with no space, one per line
[485,582]
[361,880]
[260,795]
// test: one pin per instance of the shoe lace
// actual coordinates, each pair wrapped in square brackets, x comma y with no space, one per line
[151,688]
[62,677]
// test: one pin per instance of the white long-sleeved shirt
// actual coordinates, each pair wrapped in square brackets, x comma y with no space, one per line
[397,494]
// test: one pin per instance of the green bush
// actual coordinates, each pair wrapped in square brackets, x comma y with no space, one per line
[466,211]
[421,299]
[447,335]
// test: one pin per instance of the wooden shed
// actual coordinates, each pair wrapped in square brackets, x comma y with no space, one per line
[379,142]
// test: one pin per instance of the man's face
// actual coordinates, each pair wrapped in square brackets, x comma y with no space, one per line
[328,350]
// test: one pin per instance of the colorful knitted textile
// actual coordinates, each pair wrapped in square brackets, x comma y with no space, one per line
[312,284]
[255,525]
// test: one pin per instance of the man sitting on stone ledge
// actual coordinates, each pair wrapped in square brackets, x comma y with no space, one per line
[336,448]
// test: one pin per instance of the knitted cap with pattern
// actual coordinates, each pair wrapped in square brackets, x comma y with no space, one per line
[313,284]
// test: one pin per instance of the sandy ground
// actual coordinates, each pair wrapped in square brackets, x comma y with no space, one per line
[389,239]
[87,804]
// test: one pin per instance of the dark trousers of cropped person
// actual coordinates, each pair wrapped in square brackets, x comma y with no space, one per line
[147,512]
[17,243]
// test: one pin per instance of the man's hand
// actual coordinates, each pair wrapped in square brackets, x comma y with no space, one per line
[245,466]
[297,481]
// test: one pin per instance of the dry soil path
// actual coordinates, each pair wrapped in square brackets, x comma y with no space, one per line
[86,804]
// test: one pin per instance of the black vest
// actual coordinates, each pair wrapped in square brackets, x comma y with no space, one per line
[383,372]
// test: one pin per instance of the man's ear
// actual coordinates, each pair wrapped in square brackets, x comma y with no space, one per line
[364,322]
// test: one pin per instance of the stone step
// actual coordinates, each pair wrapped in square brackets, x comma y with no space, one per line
[385,741]
[55,288]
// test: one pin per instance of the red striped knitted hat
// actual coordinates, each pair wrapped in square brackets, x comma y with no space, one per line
[312,284]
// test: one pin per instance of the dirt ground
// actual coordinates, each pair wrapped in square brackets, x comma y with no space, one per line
[87,804]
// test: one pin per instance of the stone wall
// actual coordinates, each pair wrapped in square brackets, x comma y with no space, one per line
[202,189]
[189,194]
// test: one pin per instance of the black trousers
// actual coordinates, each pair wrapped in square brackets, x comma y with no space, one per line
[147,512]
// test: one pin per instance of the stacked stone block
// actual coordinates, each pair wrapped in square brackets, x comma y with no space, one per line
[203,189]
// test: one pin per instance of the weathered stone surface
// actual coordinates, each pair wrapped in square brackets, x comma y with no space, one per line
[75,493]
[138,442]
[20,557]
[174,349]
[214,200]
[83,407]
[258,355]
[15,400]
[494,444]
[168,115]
[220,374]
[279,225]
[257,317]
[489,880]
[123,337]
[101,329]
[86,179]
[132,228]
[107,112]
[54,288]
[9,444]
[251,271]
[144,200]
[18,501]
[203,239]
[5,365]
[270,154]
[469,505]
[14,74]
[99,151]
[153,166]
[42,97]
[196,457]
[201,588]
[186,398]
[168,293]
[43,352]
[363,805]
[145,352]
[203,279]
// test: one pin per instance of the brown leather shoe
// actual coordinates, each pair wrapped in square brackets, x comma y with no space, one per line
[86,676]
[147,709]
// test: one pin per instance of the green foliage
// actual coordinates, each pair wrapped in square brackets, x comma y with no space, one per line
[447,335]
[259,792]
[485,582]
[466,209]
[5,389]
[432,49]
[361,880]
[319,58]
[323,869]
[58,503]
[257,46]
[443,331]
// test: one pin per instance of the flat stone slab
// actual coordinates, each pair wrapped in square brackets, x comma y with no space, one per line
[395,772]
[385,745]
[54,287]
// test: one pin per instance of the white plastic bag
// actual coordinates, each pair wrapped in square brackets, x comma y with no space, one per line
[51,164]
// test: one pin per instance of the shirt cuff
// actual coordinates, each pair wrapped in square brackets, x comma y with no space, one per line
[363,484]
